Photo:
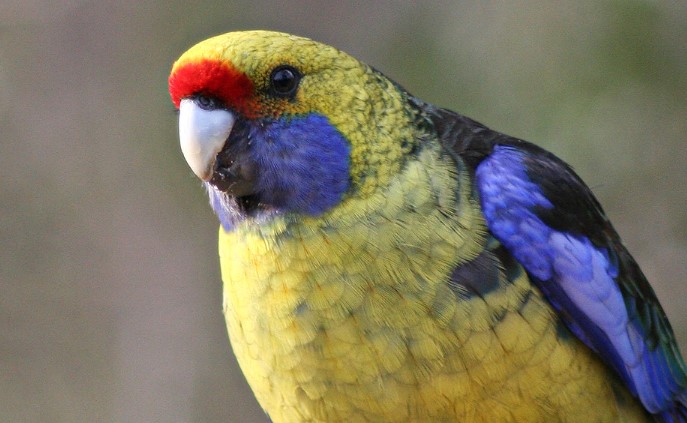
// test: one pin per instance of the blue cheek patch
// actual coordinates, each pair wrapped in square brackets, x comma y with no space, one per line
[303,164]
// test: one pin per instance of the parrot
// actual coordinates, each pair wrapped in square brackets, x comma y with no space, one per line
[387,260]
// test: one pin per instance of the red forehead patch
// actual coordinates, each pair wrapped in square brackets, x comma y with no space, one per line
[211,78]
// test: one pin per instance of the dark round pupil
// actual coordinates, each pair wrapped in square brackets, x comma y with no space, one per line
[283,80]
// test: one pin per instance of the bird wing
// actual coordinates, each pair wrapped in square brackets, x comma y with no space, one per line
[550,221]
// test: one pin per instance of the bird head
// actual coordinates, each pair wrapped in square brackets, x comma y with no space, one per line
[274,123]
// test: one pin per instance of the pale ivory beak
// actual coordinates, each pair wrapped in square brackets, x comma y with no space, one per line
[202,134]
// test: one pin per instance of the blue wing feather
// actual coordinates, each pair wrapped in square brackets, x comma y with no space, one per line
[582,279]
[550,221]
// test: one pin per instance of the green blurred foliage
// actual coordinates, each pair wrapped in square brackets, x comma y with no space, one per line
[111,299]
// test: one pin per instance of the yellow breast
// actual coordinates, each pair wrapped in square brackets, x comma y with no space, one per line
[349,317]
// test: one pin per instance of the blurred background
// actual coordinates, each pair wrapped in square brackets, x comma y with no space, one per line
[110,295]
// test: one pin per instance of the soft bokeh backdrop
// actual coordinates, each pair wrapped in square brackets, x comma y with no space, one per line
[110,300]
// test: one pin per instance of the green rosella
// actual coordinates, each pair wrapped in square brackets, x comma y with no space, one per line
[386,260]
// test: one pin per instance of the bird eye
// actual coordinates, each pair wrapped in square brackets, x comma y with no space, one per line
[284,81]
[208,103]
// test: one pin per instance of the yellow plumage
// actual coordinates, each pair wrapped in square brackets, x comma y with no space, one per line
[349,316]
